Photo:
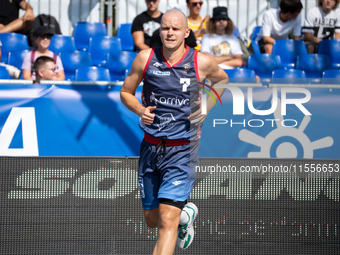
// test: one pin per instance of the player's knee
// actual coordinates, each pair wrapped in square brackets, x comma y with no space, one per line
[166,221]
[151,218]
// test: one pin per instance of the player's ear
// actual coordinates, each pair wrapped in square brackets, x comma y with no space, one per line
[187,32]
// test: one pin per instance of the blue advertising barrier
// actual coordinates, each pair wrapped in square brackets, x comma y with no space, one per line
[90,120]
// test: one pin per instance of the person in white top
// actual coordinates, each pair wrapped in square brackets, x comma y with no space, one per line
[322,22]
[220,42]
[279,23]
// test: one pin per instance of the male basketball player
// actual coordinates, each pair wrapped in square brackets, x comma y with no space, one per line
[170,145]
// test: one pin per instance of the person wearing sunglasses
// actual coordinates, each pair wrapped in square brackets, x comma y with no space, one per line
[45,69]
[42,39]
[197,23]
[220,42]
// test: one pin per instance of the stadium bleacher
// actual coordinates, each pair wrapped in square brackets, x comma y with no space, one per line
[90,46]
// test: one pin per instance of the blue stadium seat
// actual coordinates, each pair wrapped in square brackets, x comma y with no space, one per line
[124,33]
[61,43]
[256,47]
[313,65]
[120,64]
[100,46]
[4,73]
[331,76]
[293,76]
[288,50]
[12,42]
[332,49]
[92,73]
[83,31]
[256,30]
[264,64]
[241,75]
[15,58]
[72,60]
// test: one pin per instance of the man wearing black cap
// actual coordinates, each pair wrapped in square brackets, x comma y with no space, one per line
[220,42]
[9,12]
[42,38]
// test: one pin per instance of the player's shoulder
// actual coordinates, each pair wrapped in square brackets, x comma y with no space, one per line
[205,60]
[142,58]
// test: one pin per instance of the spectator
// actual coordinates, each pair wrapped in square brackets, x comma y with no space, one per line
[42,38]
[197,23]
[220,42]
[322,22]
[45,69]
[279,23]
[9,13]
[145,24]
[12,70]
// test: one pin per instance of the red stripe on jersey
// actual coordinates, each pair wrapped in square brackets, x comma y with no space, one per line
[167,63]
[196,67]
[149,59]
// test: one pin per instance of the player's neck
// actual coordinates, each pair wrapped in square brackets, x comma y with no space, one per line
[154,14]
[172,56]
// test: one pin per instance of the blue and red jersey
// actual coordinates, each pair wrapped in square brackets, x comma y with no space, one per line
[173,90]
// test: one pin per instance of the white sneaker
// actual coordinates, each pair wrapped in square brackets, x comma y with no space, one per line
[13,71]
[186,232]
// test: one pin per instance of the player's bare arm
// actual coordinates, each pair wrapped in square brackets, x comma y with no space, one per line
[208,68]
[132,81]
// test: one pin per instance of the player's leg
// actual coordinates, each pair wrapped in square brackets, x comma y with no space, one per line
[168,221]
[151,217]
[149,183]
[177,184]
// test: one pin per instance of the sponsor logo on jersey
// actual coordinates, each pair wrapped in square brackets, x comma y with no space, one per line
[186,67]
[158,72]
[168,100]
[166,122]
[157,64]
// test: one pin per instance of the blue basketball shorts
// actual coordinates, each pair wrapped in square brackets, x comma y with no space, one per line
[167,172]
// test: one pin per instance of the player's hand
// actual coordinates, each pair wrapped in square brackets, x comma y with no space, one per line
[147,116]
[197,117]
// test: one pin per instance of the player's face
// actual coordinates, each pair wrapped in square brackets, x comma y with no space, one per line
[173,31]
[42,42]
[328,4]
[49,72]
[195,6]
[152,5]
